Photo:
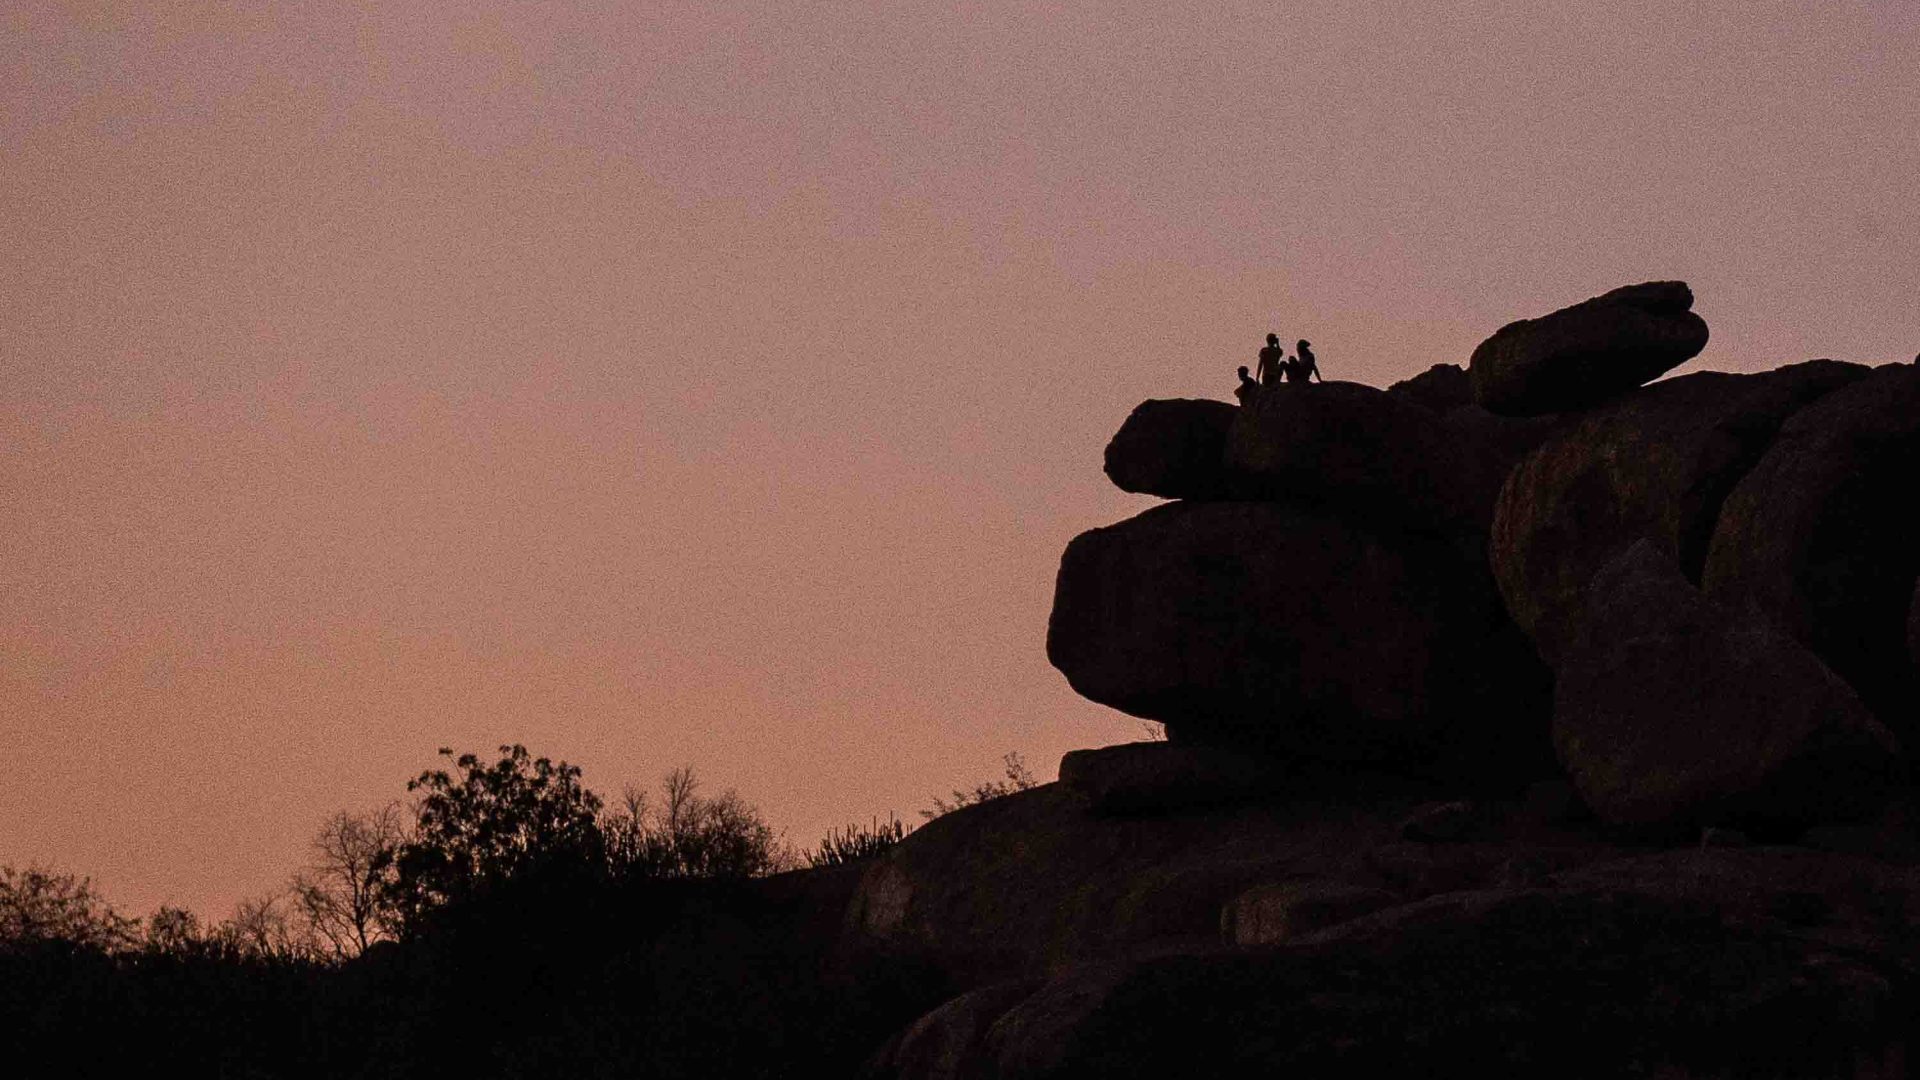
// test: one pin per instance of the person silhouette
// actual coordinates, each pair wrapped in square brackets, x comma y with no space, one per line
[1248,390]
[1303,368]
[1272,359]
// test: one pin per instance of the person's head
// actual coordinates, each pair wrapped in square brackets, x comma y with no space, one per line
[1303,343]
[1243,371]
[1273,339]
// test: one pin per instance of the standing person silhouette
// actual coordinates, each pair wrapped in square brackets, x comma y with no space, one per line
[1271,359]
[1304,369]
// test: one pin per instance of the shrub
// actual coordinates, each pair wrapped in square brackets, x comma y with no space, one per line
[857,842]
[1017,778]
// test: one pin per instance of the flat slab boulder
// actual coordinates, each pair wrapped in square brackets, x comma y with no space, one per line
[1032,882]
[1441,388]
[1172,448]
[1364,451]
[1286,628]
[1655,464]
[1163,777]
[1673,710]
[1582,355]
[1822,535]
[1025,883]
[1288,910]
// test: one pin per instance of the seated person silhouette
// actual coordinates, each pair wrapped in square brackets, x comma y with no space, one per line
[1303,368]
[1248,391]
[1271,360]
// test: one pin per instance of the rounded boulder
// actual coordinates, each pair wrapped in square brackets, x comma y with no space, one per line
[1654,464]
[1364,451]
[1674,710]
[1581,355]
[1285,627]
[1172,448]
[1821,534]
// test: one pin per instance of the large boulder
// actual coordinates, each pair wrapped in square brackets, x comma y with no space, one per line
[1674,710]
[1162,777]
[1498,441]
[1364,451]
[1582,355]
[1173,449]
[1032,882]
[947,1043]
[1441,388]
[1281,626]
[1026,883]
[1288,910]
[1502,440]
[1822,534]
[1654,464]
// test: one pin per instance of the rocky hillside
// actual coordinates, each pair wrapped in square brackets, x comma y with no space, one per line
[1523,718]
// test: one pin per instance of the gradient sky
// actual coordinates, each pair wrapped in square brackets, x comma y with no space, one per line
[661,383]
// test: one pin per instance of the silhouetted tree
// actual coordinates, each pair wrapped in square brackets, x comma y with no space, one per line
[345,894]
[489,824]
[1017,778]
[40,906]
[267,928]
[690,835]
[173,931]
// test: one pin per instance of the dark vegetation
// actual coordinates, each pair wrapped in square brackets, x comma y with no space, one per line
[508,922]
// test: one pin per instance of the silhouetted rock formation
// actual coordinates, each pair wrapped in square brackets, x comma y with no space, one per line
[947,1043]
[1284,627]
[1582,355]
[1756,961]
[1033,882]
[1331,870]
[1656,463]
[1364,451]
[1822,534]
[1672,709]
[1441,388]
[1161,777]
[1288,911]
[1174,449]
[1445,390]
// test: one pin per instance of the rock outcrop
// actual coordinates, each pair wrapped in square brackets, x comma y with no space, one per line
[1290,910]
[1330,868]
[1671,709]
[1286,628]
[1034,882]
[1581,355]
[1654,464]
[1174,449]
[1441,388]
[1714,962]
[1162,777]
[1822,534]
[1365,452]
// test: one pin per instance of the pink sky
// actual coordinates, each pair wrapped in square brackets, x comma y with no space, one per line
[677,383]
